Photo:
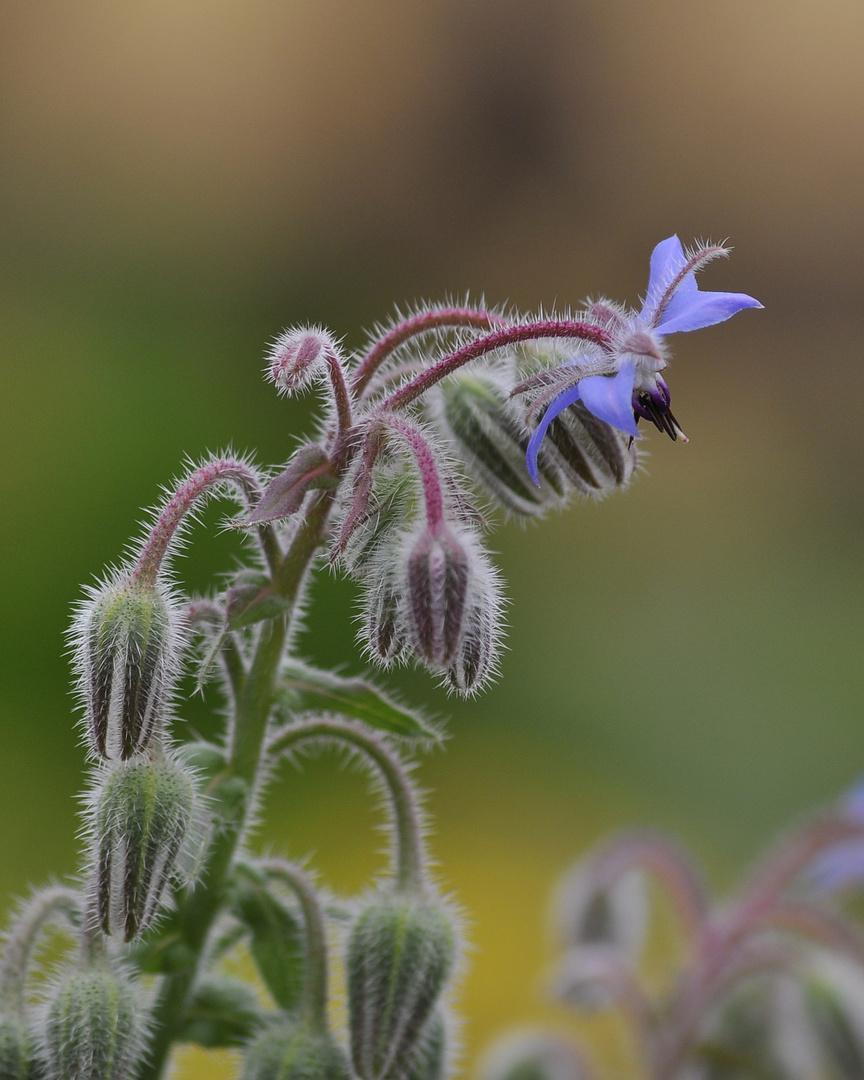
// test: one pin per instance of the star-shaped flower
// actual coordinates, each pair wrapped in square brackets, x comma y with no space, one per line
[621,379]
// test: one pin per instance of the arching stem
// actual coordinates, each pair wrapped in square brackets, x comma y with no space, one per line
[498,339]
[422,323]
[409,857]
[45,906]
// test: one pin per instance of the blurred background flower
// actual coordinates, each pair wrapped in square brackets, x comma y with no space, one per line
[181,180]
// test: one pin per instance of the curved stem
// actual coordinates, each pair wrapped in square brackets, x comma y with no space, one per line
[414,326]
[197,484]
[315,982]
[21,940]
[430,479]
[511,335]
[409,850]
[341,395]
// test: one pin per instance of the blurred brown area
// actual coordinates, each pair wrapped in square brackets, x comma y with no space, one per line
[180,180]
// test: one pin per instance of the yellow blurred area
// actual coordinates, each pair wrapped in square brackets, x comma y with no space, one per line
[180,180]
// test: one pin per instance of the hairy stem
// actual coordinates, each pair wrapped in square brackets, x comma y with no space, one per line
[409,854]
[21,940]
[498,339]
[414,326]
[315,984]
[197,484]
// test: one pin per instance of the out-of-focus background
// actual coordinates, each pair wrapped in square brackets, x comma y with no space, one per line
[179,181]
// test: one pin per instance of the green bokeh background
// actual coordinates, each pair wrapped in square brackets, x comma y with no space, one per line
[181,180]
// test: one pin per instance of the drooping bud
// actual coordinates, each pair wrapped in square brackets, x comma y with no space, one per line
[430,1055]
[294,1052]
[14,1047]
[476,658]
[141,814]
[475,413]
[436,574]
[594,457]
[533,1055]
[400,954]
[127,648]
[383,622]
[93,1027]
[614,915]
[298,356]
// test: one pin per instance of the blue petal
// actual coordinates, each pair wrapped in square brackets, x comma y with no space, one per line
[838,867]
[691,309]
[611,399]
[667,259]
[557,405]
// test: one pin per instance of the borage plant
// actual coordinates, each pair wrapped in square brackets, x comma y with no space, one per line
[446,404]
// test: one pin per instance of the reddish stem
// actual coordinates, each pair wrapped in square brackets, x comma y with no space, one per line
[427,468]
[195,485]
[413,327]
[341,395]
[511,335]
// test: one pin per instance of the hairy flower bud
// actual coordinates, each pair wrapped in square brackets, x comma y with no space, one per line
[141,813]
[298,356]
[383,624]
[14,1047]
[476,658]
[429,1061]
[436,573]
[92,1028]
[533,1055]
[127,650]
[615,915]
[594,457]
[400,954]
[293,1052]
[476,415]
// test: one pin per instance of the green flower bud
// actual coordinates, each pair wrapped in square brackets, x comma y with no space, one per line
[293,1052]
[142,812]
[127,653]
[400,955]
[430,1056]
[93,1027]
[594,457]
[14,1048]
[475,413]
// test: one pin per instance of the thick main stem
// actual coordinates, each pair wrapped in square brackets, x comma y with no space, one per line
[199,906]
[409,850]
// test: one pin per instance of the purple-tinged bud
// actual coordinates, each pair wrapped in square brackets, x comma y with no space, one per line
[383,623]
[474,411]
[594,457]
[141,814]
[436,575]
[93,1027]
[293,1052]
[14,1047]
[533,1055]
[476,658]
[128,647]
[401,952]
[298,356]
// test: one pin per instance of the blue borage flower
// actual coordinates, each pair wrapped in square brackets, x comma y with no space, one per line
[842,865]
[622,378]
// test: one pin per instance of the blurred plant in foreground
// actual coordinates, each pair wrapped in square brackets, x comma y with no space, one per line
[436,412]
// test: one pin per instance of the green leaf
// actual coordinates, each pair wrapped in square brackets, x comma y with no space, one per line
[252,598]
[277,943]
[223,1012]
[307,688]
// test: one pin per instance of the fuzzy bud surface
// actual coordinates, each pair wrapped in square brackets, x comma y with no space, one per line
[292,1052]
[128,658]
[400,955]
[142,813]
[298,356]
[436,575]
[92,1028]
